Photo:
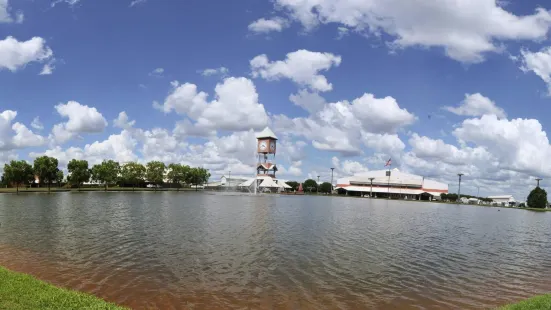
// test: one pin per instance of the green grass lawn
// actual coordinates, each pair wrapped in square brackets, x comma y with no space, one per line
[537,303]
[20,291]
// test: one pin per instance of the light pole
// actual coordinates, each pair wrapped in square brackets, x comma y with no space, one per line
[371,193]
[229,178]
[538,179]
[332,180]
[478,193]
[318,185]
[459,190]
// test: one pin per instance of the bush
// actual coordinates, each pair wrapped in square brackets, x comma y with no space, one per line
[537,198]
[325,187]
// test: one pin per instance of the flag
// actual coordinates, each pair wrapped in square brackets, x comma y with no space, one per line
[389,162]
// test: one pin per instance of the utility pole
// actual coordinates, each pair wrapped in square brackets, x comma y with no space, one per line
[229,178]
[538,179]
[478,193]
[332,180]
[371,193]
[459,190]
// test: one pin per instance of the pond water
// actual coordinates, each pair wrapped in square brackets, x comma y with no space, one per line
[217,251]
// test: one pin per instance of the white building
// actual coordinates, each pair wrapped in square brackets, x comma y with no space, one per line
[226,182]
[265,184]
[398,185]
[503,200]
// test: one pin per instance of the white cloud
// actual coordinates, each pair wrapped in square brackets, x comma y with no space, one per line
[6,16]
[16,54]
[477,105]
[342,32]
[82,119]
[122,121]
[348,167]
[303,67]
[48,69]
[309,101]
[37,124]
[137,2]
[222,71]
[68,2]
[539,63]
[344,127]
[268,25]
[466,30]
[16,136]
[234,108]
[158,72]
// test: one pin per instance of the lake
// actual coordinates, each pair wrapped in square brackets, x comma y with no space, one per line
[219,251]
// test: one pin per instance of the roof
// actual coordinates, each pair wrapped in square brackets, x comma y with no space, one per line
[266,133]
[397,179]
[501,197]
[385,190]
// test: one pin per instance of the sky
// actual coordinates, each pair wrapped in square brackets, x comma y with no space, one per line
[441,87]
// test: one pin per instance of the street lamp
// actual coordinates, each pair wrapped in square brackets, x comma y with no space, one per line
[229,178]
[478,193]
[459,190]
[539,179]
[371,193]
[318,185]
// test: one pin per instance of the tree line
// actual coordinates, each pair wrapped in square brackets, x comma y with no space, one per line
[109,172]
[311,185]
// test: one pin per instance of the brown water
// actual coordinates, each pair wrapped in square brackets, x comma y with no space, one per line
[215,251]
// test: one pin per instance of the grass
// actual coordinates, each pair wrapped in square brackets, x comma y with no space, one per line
[19,291]
[542,302]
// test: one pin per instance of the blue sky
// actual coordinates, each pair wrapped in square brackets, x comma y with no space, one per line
[444,87]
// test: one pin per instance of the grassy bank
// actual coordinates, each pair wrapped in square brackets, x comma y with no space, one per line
[537,303]
[20,291]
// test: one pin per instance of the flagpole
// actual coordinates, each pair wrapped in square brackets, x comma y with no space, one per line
[389,167]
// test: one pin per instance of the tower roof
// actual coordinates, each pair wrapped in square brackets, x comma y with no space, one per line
[266,133]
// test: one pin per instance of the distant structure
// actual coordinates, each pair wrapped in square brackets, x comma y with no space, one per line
[266,168]
[397,185]
[504,200]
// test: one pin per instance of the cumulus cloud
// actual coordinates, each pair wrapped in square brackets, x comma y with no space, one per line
[81,119]
[466,30]
[235,106]
[263,25]
[302,67]
[477,105]
[6,16]
[348,167]
[309,101]
[48,69]
[539,63]
[16,54]
[343,126]
[122,121]
[37,124]
[16,136]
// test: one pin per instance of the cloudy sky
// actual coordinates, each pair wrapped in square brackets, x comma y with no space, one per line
[441,87]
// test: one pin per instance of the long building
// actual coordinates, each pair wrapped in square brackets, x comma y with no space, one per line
[398,185]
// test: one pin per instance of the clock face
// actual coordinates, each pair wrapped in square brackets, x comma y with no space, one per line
[272,146]
[263,146]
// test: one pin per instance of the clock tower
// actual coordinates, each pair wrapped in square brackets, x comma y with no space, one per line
[266,150]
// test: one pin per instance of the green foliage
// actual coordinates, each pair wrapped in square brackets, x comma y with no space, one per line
[107,172]
[198,176]
[294,185]
[178,173]
[535,303]
[155,172]
[45,168]
[310,185]
[133,173]
[537,198]
[19,291]
[18,173]
[59,178]
[325,187]
[449,197]
[79,172]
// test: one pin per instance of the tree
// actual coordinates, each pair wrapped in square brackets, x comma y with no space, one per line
[45,168]
[178,173]
[325,187]
[537,198]
[107,172]
[198,176]
[59,178]
[79,172]
[18,172]
[155,172]
[133,173]
[310,185]
[294,185]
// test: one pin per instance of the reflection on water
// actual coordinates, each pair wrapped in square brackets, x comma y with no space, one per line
[197,251]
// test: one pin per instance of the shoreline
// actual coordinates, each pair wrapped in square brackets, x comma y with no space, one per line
[24,291]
